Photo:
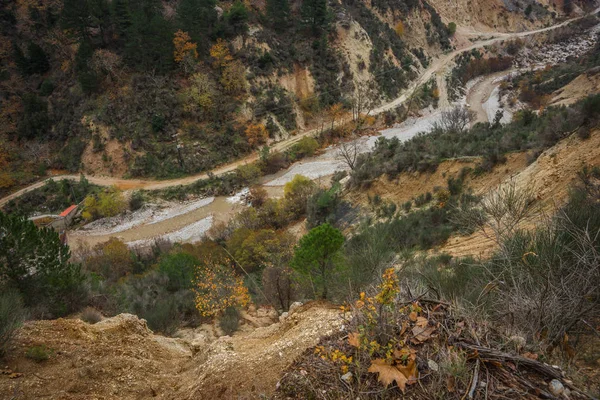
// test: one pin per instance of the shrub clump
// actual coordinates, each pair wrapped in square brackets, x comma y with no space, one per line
[38,353]
[12,315]
[91,315]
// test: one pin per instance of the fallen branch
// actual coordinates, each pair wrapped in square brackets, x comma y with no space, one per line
[487,354]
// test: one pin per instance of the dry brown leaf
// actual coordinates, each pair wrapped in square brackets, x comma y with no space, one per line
[388,373]
[405,353]
[422,334]
[404,326]
[354,339]
[412,316]
[451,384]
[422,322]
[410,371]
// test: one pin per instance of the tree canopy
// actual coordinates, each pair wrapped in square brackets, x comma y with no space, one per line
[316,256]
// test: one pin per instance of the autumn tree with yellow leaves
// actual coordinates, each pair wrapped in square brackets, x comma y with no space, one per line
[232,71]
[186,51]
[256,134]
[184,46]
[218,287]
[200,95]
[399,29]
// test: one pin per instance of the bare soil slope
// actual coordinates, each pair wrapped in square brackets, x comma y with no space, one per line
[120,358]
[549,178]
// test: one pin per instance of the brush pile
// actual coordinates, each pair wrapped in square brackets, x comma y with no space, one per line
[420,350]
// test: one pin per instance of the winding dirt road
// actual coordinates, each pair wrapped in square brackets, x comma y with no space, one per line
[437,67]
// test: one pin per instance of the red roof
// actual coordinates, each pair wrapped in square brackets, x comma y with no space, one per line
[68,210]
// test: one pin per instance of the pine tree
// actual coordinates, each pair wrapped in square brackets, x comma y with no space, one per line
[38,60]
[35,122]
[236,18]
[122,17]
[315,14]
[149,43]
[75,16]
[278,12]
[198,18]
[35,262]
[20,60]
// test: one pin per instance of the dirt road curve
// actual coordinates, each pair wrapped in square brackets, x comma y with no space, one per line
[437,66]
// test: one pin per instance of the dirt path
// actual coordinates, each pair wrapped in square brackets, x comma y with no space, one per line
[437,66]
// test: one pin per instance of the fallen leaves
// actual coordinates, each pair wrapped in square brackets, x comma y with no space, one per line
[354,339]
[422,333]
[400,374]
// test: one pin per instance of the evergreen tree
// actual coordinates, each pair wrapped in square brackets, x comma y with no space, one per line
[122,17]
[315,14]
[237,17]
[36,263]
[38,61]
[317,255]
[79,16]
[88,79]
[199,19]
[20,60]
[76,16]
[278,13]
[149,44]
[35,122]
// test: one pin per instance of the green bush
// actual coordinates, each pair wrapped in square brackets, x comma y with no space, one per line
[179,268]
[12,315]
[91,316]
[230,321]
[38,353]
[306,147]
[163,316]
[147,296]
[322,206]
[136,201]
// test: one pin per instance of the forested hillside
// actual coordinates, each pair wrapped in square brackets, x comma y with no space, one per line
[150,88]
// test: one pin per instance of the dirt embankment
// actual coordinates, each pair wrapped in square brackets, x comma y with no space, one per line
[120,358]
[549,179]
[582,86]
[408,186]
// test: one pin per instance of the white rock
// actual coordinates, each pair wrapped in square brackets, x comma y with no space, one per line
[283,316]
[556,387]
[347,377]
[294,306]
[433,365]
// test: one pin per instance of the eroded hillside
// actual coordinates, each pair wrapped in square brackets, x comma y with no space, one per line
[109,89]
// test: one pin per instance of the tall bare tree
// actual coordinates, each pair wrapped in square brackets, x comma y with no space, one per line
[348,152]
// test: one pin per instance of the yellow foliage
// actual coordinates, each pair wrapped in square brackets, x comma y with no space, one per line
[233,72]
[256,134]
[217,287]
[436,93]
[106,204]
[233,77]
[399,28]
[220,52]
[389,287]
[184,46]
[200,95]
